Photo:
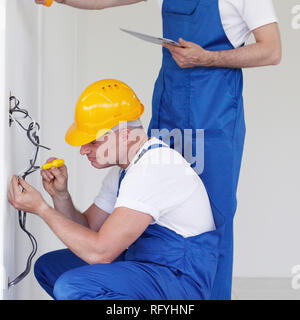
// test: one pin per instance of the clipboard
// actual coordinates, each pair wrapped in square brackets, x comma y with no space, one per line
[152,39]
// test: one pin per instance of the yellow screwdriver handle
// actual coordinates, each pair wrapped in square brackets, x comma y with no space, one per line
[48,3]
[56,163]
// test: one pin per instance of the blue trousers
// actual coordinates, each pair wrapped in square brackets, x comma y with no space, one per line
[66,277]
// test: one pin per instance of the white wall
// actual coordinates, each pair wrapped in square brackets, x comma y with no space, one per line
[3,125]
[21,76]
[38,64]
[64,50]
[59,95]
[22,79]
[267,221]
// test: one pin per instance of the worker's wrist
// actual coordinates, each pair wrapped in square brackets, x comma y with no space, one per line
[61,196]
[43,209]
[209,58]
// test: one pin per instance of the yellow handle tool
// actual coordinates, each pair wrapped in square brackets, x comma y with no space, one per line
[48,3]
[56,163]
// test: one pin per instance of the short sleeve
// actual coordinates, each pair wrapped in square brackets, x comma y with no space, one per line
[256,13]
[107,196]
[155,186]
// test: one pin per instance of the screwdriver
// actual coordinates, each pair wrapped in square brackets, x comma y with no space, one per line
[56,163]
[48,3]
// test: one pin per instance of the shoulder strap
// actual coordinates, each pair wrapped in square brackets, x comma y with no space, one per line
[152,146]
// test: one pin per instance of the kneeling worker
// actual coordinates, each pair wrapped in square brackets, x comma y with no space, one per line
[149,235]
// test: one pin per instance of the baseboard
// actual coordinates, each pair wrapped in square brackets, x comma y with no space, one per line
[264,289]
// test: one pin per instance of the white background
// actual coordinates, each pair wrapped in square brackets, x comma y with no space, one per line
[52,54]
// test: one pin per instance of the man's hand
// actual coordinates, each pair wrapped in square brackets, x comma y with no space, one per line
[190,56]
[40,1]
[30,200]
[55,180]
[93,4]
[44,1]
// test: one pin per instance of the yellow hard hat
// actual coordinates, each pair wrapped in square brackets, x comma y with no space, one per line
[101,106]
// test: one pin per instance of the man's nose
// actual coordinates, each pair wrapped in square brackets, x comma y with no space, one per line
[84,150]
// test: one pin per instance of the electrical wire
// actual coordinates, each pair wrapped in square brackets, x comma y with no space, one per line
[32,133]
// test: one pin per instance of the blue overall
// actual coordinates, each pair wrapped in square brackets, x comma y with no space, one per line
[210,99]
[159,265]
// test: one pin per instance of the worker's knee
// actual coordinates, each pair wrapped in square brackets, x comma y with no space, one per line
[69,286]
[41,265]
[77,284]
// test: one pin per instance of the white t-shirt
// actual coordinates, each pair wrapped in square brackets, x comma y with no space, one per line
[240,17]
[163,185]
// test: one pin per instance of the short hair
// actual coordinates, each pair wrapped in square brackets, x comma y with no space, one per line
[135,123]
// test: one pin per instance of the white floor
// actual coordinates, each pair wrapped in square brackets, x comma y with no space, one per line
[264,289]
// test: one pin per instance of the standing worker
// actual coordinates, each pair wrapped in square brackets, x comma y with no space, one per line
[149,235]
[200,87]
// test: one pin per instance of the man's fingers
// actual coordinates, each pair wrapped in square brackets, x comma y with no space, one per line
[26,186]
[51,159]
[184,43]
[10,189]
[176,57]
[15,186]
[13,191]
[57,174]
[53,173]
[10,196]
[46,176]
[40,1]
[49,174]
[173,49]
[166,45]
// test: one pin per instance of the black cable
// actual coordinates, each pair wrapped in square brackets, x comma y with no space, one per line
[20,277]
[34,139]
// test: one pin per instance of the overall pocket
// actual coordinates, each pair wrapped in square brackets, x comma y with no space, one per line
[175,102]
[187,19]
[213,107]
[181,7]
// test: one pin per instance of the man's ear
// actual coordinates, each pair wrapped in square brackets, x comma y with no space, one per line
[135,134]
[124,134]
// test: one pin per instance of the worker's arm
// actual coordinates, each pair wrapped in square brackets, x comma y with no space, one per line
[93,4]
[93,217]
[266,51]
[117,233]
[55,182]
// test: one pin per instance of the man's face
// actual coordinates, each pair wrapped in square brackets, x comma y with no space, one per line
[101,153]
